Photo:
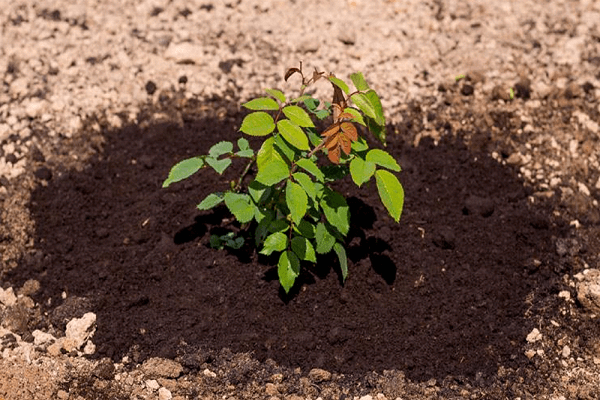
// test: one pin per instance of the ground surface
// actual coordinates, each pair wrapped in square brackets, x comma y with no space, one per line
[501,221]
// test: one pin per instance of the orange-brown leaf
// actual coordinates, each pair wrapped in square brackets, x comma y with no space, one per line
[350,131]
[345,143]
[291,72]
[332,141]
[331,130]
[317,75]
[334,155]
[346,115]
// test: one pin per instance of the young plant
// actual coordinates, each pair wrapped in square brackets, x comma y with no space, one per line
[289,204]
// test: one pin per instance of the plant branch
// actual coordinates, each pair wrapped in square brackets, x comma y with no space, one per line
[244,173]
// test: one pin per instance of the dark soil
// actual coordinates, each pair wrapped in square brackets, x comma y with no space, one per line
[444,292]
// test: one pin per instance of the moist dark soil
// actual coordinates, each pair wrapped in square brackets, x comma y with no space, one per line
[443,292]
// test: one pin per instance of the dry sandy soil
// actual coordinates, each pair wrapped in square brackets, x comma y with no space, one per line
[494,290]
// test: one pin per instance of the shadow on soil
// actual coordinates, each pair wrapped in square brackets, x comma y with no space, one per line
[444,292]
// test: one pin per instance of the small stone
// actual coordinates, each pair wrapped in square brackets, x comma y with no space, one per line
[55,349]
[271,389]
[35,108]
[79,331]
[523,89]
[185,53]
[319,375]
[208,373]
[15,318]
[530,354]
[348,37]
[308,45]
[500,93]
[30,287]
[467,90]
[566,351]
[150,87]
[514,159]
[89,348]
[162,368]
[152,384]
[62,395]
[367,397]
[7,297]
[42,338]
[534,336]
[565,294]
[588,291]
[164,394]
[104,370]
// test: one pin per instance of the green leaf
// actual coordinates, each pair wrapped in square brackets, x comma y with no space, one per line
[336,210]
[356,114]
[259,192]
[334,172]
[285,149]
[210,201]
[298,116]
[341,253]
[325,240]
[383,159]
[249,153]
[258,124]
[288,269]
[305,229]
[364,104]
[278,225]
[322,114]
[359,81]
[313,136]
[183,169]
[274,242]
[311,103]
[240,206]
[236,243]
[360,145]
[373,98]
[320,188]
[300,98]
[220,148]
[278,94]
[340,83]
[296,200]
[304,249]
[264,218]
[311,168]
[378,131]
[243,144]
[293,134]
[273,172]
[262,103]
[306,183]
[218,165]
[390,192]
[267,153]
[216,242]
[361,170]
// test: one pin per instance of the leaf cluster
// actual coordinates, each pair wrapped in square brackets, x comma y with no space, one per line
[289,204]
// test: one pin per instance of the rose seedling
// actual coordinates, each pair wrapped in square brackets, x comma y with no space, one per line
[289,207]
